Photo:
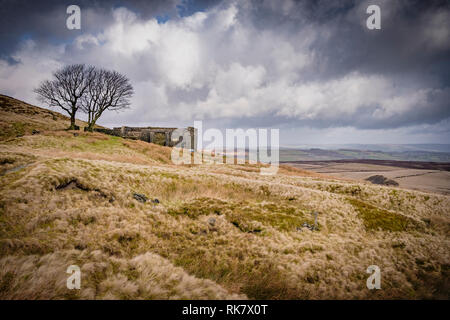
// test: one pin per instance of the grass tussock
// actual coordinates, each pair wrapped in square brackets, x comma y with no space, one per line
[246,216]
[378,219]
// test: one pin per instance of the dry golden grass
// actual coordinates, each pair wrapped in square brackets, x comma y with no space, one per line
[18,118]
[218,231]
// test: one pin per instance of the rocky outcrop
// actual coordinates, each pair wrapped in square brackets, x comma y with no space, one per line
[382,180]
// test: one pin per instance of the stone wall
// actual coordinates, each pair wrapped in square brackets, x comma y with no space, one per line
[182,137]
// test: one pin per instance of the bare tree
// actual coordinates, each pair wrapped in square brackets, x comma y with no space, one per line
[107,90]
[66,90]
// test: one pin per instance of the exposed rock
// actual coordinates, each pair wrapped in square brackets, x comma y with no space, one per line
[248,229]
[309,226]
[212,221]
[75,184]
[140,197]
[71,184]
[7,161]
[382,180]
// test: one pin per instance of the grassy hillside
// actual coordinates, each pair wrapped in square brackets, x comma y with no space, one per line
[18,118]
[216,231]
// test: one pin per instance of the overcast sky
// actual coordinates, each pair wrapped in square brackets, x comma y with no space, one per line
[310,68]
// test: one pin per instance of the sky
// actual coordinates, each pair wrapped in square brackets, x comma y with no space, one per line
[311,69]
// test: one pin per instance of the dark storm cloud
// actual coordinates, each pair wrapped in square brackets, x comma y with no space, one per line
[412,49]
[45,21]
[412,38]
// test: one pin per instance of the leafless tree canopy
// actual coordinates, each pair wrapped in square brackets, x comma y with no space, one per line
[87,88]
[106,90]
[66,89]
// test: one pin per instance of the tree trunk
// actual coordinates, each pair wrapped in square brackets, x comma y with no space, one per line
[90,126]
[92,122]
[72,122]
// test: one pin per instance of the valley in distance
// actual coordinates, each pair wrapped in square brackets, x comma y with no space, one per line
[424,167]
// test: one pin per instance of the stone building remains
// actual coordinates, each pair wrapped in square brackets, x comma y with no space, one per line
[180,137]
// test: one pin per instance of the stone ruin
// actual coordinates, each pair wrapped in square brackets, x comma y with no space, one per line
[182,137]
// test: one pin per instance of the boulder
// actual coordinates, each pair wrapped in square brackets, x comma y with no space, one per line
[212,221]
[140,197]
[382,180]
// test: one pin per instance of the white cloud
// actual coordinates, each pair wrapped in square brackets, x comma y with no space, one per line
[18,80]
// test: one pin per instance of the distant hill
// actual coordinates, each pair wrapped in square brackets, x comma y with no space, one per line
[317,154]
[431,147]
